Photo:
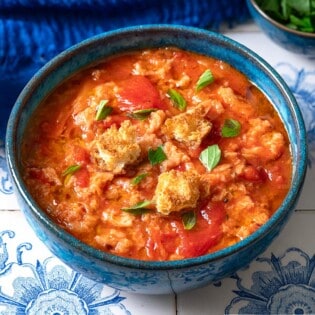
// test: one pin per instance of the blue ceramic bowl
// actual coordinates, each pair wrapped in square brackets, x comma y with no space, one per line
[142,276]
[292,40]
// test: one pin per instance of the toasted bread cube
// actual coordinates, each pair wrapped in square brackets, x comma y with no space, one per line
[188,128]
[176,191]
[116,148]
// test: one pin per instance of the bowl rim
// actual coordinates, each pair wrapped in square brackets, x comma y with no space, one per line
[12,160]
[277,24]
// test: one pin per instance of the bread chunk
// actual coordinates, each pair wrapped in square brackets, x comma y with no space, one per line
[116,148]
[188,128]
[176,191]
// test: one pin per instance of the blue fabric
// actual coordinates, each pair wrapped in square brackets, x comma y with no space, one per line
[34,31]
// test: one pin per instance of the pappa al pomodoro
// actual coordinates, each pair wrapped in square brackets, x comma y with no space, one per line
[160,154]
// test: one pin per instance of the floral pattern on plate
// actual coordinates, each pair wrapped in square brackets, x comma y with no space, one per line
[302,84]
[49,287]
[278,285]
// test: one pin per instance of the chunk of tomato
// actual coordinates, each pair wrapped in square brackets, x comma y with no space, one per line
[207,231]
[160,243]
[82,178]
[80,155]
[254,174]
[138,92]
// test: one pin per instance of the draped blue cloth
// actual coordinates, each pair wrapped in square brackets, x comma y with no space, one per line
[34,31]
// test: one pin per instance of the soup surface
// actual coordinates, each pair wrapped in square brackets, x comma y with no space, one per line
[159,154]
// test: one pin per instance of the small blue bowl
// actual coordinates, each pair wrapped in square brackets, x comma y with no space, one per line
[154,277]
[292,40]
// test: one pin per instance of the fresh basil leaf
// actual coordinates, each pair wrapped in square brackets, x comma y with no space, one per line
[138,208]
[272,8]
[210,157]
[302,7]
[177,99]
[71,170]
[294,14]
[142,114]
[231,128]
[103,110]
[312,19]
[156,156]
[136,180]
[189,220]
[205,79]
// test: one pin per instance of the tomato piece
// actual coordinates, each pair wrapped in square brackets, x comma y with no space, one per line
[118,70]
[161,243]
[138,92]
[82,177]
[184,63]
[207,232]
[81,155]
[153,244]
[168,241]
[254,174]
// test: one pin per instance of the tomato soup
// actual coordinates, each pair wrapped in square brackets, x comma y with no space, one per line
[160,154]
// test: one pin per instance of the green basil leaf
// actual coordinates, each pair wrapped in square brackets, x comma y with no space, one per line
[156,156]
[205,79]
[210,157]
[231,128]
[142,114]
[294,14]
[138,208]
[71,170]
[189,220]
[177,99]
[136,180]
[302,7]
[103,110]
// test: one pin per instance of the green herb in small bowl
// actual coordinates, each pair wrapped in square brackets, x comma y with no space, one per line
[288,23]
[296,14]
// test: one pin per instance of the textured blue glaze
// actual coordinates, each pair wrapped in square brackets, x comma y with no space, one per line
[295,41]
[140,276]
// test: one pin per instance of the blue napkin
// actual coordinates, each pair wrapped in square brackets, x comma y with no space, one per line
[34,31]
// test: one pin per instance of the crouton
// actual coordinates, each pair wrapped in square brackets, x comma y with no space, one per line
[188,128]
[176,191]
[116,148]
